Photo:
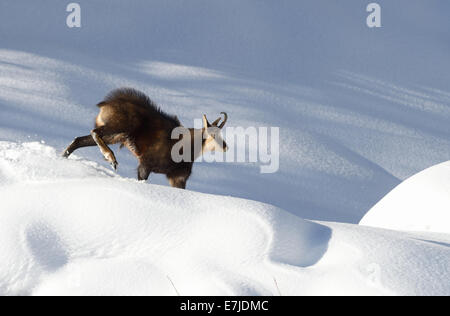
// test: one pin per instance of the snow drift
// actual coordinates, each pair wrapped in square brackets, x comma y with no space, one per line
[420,203]
[72,227]
[359,111]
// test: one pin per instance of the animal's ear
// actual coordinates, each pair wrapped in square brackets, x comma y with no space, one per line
[205,122]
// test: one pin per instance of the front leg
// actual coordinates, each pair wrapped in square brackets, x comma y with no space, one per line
[105,150]
[178,182]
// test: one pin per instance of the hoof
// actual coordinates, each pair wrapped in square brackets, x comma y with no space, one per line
[114,165]
[109,157]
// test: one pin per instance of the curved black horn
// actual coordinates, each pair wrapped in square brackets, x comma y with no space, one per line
[225,119]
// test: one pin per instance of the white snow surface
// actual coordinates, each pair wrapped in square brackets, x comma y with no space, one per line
[420,203]
[74,228]
[360,110]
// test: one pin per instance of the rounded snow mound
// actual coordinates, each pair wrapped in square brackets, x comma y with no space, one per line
[420,203]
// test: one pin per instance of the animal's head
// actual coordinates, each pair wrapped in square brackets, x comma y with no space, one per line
[212,135]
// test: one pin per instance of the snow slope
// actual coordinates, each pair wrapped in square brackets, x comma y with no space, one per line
[74,228]
[421,203]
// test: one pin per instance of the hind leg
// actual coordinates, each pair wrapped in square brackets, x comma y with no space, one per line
[79,142]
[98,134]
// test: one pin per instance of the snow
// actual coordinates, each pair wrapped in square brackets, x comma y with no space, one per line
[355,117]
[360,110]
[74,228]
[420,203]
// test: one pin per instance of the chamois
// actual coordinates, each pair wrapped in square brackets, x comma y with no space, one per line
[128,117]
